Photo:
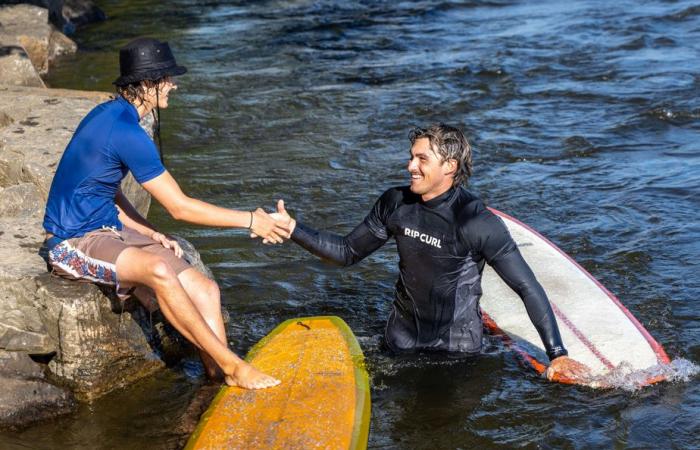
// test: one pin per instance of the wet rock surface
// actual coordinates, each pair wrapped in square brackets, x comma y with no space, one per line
[26,395]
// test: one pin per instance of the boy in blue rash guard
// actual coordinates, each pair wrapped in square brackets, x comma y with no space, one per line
[444,236]
[95,234]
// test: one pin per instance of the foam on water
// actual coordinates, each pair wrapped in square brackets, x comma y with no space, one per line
[625,377]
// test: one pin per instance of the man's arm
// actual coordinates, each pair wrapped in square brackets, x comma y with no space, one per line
[165,189]
[341,250]
[490,237]
[513,269]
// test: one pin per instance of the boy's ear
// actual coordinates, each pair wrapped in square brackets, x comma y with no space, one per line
[451,166]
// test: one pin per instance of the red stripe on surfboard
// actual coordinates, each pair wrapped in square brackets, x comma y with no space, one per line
[581,337]
[656,347]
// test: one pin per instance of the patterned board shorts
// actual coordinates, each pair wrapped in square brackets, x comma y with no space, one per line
[93,256]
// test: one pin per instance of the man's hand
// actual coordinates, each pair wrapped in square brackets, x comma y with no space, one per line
[273,230]
[282,217]
[567,370]
[167,243]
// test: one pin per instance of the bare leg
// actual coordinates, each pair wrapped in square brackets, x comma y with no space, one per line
[207,299]
[137,266]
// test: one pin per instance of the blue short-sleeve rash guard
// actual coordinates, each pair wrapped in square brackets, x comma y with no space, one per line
[108,143]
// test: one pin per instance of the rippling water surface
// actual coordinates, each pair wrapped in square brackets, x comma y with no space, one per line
[585,121]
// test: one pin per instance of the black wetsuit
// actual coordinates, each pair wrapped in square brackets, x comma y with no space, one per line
[443,244]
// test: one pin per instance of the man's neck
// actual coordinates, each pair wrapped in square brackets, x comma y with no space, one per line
[431,195]
[143,109]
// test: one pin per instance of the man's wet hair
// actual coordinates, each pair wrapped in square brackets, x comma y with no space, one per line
[448,143]
[136,92]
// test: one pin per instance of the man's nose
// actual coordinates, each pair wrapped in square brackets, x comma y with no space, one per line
[411,164]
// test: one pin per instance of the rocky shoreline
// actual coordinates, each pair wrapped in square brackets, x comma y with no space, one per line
[60,342]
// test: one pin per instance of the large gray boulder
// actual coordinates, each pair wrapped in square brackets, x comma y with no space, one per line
[78,336]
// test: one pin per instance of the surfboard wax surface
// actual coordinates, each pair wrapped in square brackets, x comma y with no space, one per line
[322,402]
[596,328]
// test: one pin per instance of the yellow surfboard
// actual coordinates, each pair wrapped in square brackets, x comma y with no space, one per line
[322,402]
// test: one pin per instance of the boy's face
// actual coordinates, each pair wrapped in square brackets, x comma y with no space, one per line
[165,85]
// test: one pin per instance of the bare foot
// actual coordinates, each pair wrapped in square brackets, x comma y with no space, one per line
[248,377]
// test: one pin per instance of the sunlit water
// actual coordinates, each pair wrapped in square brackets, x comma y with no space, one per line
[585,122]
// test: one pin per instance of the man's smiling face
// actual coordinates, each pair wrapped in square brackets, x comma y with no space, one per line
[430,174]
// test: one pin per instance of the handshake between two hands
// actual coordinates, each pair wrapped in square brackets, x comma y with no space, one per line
[273,228]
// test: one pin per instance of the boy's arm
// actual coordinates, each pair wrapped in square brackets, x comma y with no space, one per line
[130,217]
[165,189]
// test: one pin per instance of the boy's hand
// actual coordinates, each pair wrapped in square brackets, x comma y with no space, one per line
[282,218]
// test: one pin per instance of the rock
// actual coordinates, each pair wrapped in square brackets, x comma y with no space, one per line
[16,68]
[192,256]
[98,350]
[54,7]
[26,396]
[25,401]
[21,328]
[5,120]
[81,12]
[27,27]
[21,200]
[60,44]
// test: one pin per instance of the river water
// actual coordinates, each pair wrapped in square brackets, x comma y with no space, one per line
[584,118]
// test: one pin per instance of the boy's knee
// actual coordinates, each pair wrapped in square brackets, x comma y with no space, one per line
[161,271]
[212,290]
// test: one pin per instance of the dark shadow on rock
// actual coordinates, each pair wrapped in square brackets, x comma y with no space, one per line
[7,50]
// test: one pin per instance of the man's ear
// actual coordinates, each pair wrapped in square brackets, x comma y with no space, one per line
[450,166]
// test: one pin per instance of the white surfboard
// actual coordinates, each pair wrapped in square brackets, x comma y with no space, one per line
[596,328]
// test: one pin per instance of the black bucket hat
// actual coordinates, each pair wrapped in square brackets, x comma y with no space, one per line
[146,59]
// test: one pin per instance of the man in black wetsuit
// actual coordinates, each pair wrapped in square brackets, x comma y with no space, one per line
[444,235]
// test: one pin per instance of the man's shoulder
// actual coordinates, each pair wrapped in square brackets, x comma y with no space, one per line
[469,206]
[396,192]
[397,196]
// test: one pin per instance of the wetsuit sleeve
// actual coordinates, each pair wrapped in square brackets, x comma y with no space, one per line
[493,241]
[367,237]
